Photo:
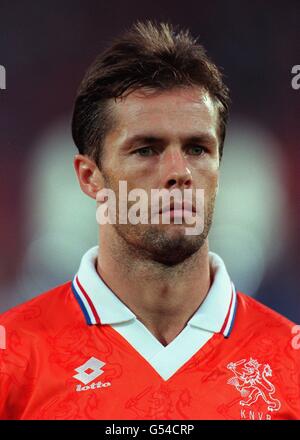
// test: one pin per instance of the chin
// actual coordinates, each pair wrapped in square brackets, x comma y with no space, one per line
[171,246]
[165,244]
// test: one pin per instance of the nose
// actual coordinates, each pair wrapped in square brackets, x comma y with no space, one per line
[175,169]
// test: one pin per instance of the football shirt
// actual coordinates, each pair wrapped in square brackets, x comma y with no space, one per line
[77,352]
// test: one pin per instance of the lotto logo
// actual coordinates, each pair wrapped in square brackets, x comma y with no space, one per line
[89,371]
[93,386]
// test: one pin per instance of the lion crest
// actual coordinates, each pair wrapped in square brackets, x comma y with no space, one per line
[251,380]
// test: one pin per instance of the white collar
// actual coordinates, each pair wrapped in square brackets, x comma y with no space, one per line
[101,306]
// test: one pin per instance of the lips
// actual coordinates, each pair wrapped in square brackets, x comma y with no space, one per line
[180,207]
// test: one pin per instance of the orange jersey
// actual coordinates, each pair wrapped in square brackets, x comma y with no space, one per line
[77,352]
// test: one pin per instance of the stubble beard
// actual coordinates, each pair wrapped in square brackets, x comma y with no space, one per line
[156,242]
[159,244]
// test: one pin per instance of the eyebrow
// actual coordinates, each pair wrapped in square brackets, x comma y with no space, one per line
[151,139]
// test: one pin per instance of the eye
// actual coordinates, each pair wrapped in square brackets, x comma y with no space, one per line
[145,151]
[196,150]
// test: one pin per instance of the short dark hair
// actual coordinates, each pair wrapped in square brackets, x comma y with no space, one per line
[149,54]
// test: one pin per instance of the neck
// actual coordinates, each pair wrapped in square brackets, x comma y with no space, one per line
[162,297]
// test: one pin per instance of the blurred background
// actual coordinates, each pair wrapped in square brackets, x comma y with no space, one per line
[47,223]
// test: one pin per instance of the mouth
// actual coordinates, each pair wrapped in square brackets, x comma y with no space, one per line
[178,209]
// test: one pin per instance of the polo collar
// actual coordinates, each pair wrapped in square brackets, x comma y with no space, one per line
[101,306]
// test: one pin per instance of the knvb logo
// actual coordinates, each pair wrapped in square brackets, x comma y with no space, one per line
[2,78]
[251,380]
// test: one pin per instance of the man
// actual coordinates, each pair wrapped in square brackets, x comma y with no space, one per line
[151,326]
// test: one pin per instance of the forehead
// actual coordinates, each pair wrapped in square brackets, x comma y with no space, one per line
[177,109]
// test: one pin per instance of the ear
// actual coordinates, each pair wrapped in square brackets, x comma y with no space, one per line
[89,176]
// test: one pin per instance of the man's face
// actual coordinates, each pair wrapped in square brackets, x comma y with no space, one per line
[164,139]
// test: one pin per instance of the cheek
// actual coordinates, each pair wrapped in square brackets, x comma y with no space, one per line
[140,177]
[215,180]
[207,180]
